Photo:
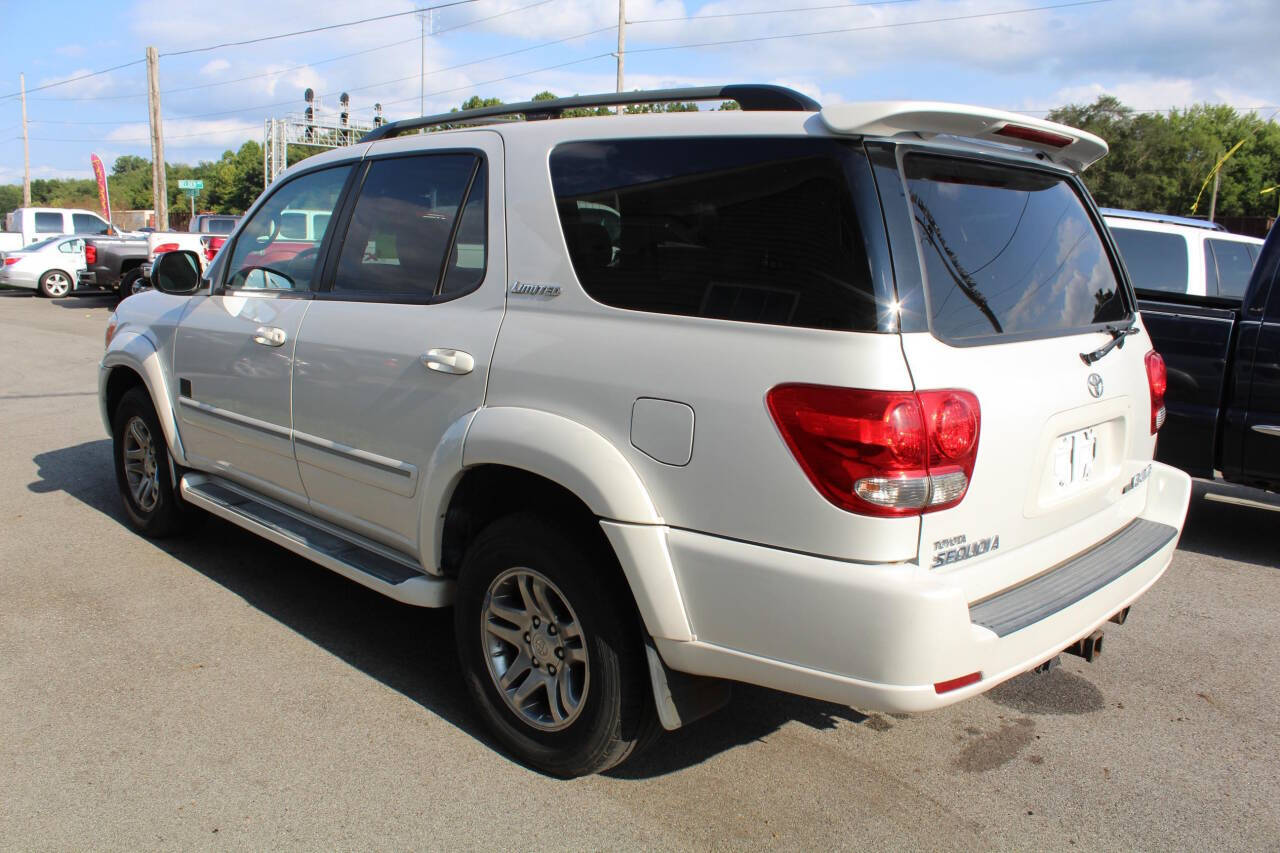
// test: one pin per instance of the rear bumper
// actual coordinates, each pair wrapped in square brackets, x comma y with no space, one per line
[881,636]
[13,278]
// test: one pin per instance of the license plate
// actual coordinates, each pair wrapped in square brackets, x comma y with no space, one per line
[1074,455]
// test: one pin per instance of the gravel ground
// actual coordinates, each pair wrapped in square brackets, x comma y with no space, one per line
[220,692]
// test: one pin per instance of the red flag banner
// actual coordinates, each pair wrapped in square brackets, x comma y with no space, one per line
[104,197]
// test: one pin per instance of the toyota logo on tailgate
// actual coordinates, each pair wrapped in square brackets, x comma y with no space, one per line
[1095,385]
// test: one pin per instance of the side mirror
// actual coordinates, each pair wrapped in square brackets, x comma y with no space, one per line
[176,272]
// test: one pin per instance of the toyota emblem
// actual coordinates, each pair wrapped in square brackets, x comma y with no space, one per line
[1095,385]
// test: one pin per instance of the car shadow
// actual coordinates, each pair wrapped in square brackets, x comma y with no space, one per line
[389,641]
[88,299]
[1231,531]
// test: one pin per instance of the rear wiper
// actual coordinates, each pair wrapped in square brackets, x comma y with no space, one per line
[1118,335]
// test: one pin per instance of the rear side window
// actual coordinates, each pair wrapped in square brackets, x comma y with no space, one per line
[1155,261]
[86,224]
[402,228]
[1008,251]
[48,223]
[1234,266]
[756,230]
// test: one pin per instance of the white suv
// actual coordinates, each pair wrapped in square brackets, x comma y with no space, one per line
[1175,255]
[849,402]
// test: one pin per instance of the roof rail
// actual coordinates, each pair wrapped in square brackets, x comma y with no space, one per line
[750,96]
[1167,218]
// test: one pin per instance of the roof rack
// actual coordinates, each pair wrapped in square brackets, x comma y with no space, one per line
[1167,218]
[751,97]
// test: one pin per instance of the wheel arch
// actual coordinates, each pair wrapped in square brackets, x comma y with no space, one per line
[133,361]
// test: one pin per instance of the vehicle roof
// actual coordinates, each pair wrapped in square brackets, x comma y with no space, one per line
[1166,218]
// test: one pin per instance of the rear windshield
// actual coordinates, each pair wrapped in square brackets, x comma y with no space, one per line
[756,230]
[1008,251]
[1155,261]
[219,226]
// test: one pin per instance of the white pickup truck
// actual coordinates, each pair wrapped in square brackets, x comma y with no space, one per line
[27,225]
[853,402]
[205,235]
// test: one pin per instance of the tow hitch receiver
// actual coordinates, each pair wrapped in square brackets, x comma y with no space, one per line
[1088,648]
[1120,617]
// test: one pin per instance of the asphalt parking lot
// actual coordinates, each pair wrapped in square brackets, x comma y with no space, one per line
[221,692]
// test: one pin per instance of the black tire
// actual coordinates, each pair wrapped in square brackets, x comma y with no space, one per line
[127,283]
[55,284]
[616,715]
[161,513]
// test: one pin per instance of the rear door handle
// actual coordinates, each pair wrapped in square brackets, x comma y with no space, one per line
[269,336]
[449,361]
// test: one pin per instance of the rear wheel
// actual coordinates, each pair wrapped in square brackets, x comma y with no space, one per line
[550,648]
[133,283]
[55,283]
[143,472]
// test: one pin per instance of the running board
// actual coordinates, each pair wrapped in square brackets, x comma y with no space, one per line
[364,562]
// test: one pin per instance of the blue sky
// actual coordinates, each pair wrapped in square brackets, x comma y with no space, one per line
[1153,54]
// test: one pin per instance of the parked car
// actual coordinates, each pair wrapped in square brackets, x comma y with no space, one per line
[205,235]
[663,403]
[50,266]
[1176,255]
[212,223]
[114,263]
[27,225]
[1223,365]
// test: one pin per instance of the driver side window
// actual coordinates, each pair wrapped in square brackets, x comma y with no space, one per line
[279,247]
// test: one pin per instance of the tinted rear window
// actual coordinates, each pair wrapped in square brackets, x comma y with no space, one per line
[1007,251]
[754,230]
[220,226]
[1155,261]
[48,223]
[1234,266]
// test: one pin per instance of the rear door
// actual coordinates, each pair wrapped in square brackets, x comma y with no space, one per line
[1261,439]
[396,353]
[1019,281]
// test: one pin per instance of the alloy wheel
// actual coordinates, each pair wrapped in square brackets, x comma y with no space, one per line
[140,469]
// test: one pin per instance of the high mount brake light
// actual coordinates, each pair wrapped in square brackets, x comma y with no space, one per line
[884,453]
[1158,381]
[1032,134]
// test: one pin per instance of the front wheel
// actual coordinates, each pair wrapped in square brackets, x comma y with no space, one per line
[550,649]
[55,284]
[143,477]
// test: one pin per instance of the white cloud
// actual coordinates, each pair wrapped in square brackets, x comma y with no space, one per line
[190,133]
[214,66]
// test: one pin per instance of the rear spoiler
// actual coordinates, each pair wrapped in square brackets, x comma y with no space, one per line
[1068,146]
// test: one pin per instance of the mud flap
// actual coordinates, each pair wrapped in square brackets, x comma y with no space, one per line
[682,698]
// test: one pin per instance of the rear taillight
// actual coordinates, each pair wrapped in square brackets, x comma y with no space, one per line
[888,453]
[90,254]
[211,246]
[164,247]
[1158,380]
[1034,134]
[8,262]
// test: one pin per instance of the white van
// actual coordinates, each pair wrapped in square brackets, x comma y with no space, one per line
[26,225]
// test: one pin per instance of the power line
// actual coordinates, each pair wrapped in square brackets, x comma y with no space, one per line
[261,39]
[325,61]
[947,19]
[74,79]
[769,11]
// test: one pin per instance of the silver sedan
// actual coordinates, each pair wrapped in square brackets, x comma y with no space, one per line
[50,267]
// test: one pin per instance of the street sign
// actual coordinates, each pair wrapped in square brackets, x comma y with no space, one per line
[190,185]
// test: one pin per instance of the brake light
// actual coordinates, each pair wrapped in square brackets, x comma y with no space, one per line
[1158,380]
[211,246]
[1033,134]
[884,453]
[164,247]
[90,253]
[8,262]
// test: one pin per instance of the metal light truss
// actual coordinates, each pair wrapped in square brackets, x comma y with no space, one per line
[296,129]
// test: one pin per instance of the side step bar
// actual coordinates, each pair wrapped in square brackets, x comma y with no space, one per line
[364,562]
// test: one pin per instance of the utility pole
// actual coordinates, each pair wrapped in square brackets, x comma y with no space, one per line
[159,186]
[622,43]
[26,151]
[422,65]
[1213,199]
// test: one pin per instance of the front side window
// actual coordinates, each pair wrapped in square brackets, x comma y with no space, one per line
[401,239]
[1156,261]
[1234,263]
[1008,251]
[759,230]
[274,252]
[83,223]
[48,223]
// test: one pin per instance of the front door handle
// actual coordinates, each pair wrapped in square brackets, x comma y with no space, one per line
[269,336]
[449,361]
